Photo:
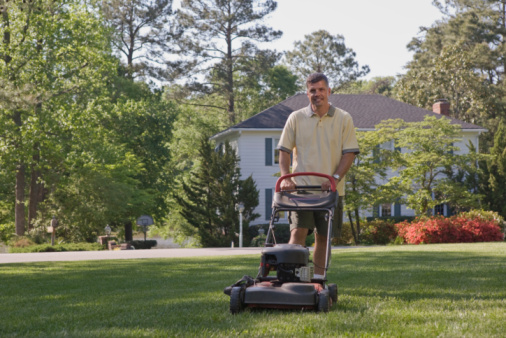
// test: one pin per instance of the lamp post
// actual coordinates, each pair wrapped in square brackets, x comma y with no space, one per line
[54,224]
[240,207]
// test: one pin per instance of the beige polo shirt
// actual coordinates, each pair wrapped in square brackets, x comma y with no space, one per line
[318,143]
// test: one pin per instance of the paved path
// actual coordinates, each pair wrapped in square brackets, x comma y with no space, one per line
[122,254]
[127,254]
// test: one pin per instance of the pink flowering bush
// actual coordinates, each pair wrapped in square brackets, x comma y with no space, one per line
[456,229]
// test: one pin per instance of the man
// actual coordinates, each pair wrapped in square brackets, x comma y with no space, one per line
[322,139]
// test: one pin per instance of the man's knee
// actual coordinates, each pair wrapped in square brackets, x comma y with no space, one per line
[298,236]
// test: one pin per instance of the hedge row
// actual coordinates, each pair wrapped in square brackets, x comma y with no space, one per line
[456,229]
[57,247]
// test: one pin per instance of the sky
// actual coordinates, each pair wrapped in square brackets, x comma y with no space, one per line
[377,30]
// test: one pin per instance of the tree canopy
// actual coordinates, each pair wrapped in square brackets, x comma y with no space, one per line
[218,36]
[322,52]
[143,34]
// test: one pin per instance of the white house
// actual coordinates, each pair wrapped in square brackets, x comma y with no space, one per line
[255,139]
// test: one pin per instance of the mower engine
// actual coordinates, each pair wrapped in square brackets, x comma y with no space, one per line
[290,261]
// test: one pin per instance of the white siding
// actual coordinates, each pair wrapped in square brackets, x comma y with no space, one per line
[252,154]
[250,146]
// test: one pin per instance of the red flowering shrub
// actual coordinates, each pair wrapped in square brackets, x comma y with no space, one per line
[456,229]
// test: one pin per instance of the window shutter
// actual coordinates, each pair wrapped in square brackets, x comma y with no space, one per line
[397,209]
[376,153]
[268,151]
[268,203]
[375,211]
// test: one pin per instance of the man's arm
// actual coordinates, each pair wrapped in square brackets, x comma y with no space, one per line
[284,166]
[345,164]
[342,168]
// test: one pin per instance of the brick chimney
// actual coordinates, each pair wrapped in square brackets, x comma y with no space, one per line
[442,107]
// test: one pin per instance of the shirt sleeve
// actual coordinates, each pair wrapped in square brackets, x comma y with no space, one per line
[287,140]
[349,140]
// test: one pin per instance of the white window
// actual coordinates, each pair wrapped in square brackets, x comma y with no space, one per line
[386,210]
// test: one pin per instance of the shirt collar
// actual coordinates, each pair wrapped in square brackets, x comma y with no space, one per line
[330,113]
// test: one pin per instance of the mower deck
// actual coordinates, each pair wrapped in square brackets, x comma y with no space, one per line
[294,294]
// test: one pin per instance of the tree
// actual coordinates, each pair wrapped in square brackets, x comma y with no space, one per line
[451,76]
[377,85]
[479,25]
[365,179]
[472,37]
[211,194]
[428,153]
[198,122]
[263,89]
[462,58]
[218,34]
[143,34]
[51,53]
[144,127]
[494,189]
[323,52]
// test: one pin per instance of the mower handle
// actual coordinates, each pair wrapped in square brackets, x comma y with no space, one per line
[282,178]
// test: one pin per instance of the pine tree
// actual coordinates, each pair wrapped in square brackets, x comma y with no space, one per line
[210,196]
[335,60]
[218,35]
[143,34]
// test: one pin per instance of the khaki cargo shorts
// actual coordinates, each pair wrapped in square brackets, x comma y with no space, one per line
[315,220]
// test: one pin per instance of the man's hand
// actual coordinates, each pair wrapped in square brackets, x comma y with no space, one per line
[287,184]
[327,185]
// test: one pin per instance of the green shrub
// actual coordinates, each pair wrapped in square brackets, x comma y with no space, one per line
[378,232]
[281,231]
[258,241]
[56,248]
[7,231]
[143,244]
[346,236]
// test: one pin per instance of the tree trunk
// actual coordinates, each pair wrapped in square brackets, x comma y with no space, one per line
[230,79]
[354,233]
[19,209]
[36,190]
[128,231]
[357,216]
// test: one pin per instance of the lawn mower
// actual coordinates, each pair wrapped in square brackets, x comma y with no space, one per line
[294,285]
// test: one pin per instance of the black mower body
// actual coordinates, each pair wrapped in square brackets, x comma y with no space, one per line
[294,285]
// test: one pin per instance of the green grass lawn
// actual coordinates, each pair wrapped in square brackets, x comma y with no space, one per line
[403,291]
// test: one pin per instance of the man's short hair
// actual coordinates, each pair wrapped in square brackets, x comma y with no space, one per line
[316,77]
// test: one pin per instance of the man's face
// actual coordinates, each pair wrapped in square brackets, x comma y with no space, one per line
[318,94]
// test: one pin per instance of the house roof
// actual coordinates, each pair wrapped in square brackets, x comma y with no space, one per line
[367,110]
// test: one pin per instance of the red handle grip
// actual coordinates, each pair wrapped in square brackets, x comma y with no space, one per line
[330,178]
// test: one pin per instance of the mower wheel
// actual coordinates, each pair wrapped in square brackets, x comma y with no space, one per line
[333,292]
[236,299]
[324,301]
